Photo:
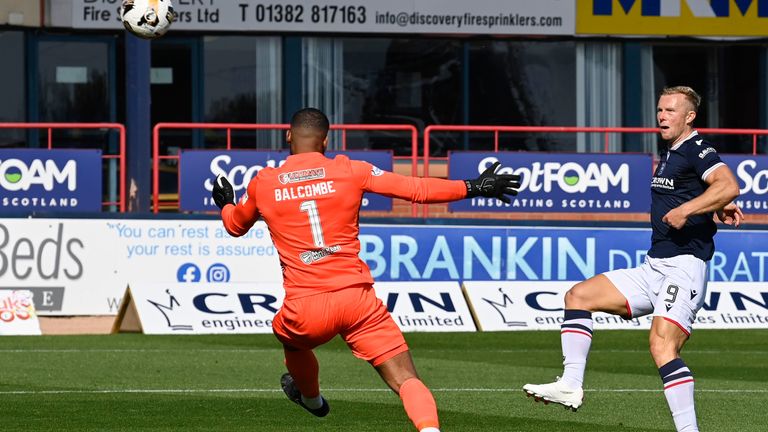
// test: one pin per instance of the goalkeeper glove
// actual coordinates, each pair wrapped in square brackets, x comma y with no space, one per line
[223,193]
[491,185]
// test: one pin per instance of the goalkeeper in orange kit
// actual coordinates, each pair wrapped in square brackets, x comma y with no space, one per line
[311,206]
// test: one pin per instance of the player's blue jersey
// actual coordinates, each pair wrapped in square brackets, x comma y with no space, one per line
[679,178]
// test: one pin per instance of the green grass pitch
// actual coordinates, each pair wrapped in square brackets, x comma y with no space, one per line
[132,382]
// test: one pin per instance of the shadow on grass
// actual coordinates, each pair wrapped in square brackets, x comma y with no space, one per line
[263,413]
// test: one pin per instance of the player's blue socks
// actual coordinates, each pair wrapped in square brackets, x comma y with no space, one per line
[576,338]
[678,389]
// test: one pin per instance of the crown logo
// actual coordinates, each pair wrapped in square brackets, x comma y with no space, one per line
[165,310]
[505,310]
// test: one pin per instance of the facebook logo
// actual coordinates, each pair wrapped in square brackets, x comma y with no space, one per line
[188,272]
[671,8]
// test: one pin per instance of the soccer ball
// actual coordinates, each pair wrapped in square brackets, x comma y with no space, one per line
[148,19]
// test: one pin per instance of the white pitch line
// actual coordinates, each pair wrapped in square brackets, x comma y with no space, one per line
[659,390]
[123,350]
[620,351]
[417,350]
[339,390]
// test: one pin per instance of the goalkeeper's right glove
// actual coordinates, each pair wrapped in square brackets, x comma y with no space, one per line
[222,193]
[491,185]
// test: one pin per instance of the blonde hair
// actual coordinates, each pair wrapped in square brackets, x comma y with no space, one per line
[690,95]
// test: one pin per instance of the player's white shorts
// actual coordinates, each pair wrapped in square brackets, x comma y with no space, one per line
[672,288]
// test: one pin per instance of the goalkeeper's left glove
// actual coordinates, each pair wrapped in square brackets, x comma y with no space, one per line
[222,193]
[492,185]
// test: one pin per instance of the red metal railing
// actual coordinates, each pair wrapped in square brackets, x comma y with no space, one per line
[429,130]
[120,156]
[229,127]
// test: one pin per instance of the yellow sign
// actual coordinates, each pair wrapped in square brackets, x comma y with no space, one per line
[672,17]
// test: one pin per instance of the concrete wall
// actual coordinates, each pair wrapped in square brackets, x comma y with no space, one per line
[20,13]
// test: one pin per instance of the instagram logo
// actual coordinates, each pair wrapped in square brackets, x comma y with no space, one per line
[217,273]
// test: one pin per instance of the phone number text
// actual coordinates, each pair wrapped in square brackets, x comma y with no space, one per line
[298,13]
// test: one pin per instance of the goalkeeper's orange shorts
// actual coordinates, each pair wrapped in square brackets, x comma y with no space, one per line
[354,313]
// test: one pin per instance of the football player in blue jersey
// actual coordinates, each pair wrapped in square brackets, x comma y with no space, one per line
[690,184]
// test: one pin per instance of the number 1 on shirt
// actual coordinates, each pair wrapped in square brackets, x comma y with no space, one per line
[314,221]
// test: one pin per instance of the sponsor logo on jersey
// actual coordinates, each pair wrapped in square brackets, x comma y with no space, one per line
[663,183]
[311,256]
[705,152]
[376,171]
[302,175]
[662,166]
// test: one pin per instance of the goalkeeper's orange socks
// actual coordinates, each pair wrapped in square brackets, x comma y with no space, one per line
[417,399]
[303,367]
[419,405]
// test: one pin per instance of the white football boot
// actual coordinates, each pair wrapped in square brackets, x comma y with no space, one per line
[556,392]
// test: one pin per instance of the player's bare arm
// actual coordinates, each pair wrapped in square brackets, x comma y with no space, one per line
[722,190]
[731,214]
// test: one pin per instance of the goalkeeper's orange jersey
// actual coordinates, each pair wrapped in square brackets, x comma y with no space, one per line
[311,205]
